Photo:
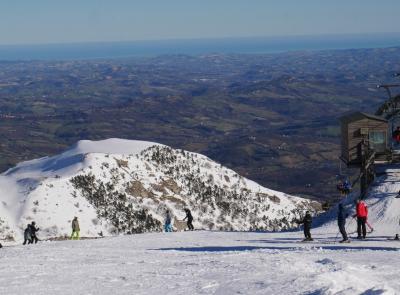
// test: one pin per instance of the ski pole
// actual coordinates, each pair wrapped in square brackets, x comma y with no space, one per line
[369,226]
[336,236]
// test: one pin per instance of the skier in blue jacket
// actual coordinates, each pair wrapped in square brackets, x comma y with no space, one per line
[341,218]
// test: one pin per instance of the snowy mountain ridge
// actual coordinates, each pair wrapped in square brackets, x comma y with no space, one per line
[123,186]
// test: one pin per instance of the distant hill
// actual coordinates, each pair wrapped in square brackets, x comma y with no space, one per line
[273,118]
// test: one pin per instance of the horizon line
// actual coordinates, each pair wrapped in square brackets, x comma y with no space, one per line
[222,38]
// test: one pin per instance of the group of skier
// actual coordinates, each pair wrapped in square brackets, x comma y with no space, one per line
[361,215]
[30,236]
[31,229]
[168,220]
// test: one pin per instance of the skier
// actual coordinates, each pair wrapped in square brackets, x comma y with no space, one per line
[28,235]
[75,229]
[361,214]
[168,222]
[34,230]
[307,221]
[342,215]
[189,218]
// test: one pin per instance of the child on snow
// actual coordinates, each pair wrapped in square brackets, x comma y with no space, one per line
[307,221]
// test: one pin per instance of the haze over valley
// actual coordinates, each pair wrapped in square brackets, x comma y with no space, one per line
[272,118]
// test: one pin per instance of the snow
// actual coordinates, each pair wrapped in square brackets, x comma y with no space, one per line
[41,190]
[25,188]
[199,262]
[71,160]
[202,262]
[383,206]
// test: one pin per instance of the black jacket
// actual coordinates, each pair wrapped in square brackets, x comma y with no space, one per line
[307,220]
[189,216]
[34,230]
[342,215]
[28,232]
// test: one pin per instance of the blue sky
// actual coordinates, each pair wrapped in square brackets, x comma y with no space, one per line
[56,21]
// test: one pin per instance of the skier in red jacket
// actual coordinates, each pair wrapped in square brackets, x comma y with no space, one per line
[362,215]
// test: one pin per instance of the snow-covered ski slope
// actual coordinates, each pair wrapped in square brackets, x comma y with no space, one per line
[39,189]
[209,262]
[123,186]
[202,262]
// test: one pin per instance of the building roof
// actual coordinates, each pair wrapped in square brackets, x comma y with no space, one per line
[355,116]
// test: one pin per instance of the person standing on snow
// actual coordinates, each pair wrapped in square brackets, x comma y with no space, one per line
[27,235]
[189,218]
[168,222]
[307,221]
[75,229]
[362,215]
[34,230]
[341,218]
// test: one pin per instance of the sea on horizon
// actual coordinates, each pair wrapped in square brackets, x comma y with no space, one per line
[254,45]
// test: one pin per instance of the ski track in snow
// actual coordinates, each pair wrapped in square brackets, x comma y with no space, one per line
[202,262]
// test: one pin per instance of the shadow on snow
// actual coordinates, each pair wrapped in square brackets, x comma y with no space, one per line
[290,248]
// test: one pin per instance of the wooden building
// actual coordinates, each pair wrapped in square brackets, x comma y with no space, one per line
[359,130]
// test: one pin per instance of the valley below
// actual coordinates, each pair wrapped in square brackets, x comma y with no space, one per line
[273,118]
